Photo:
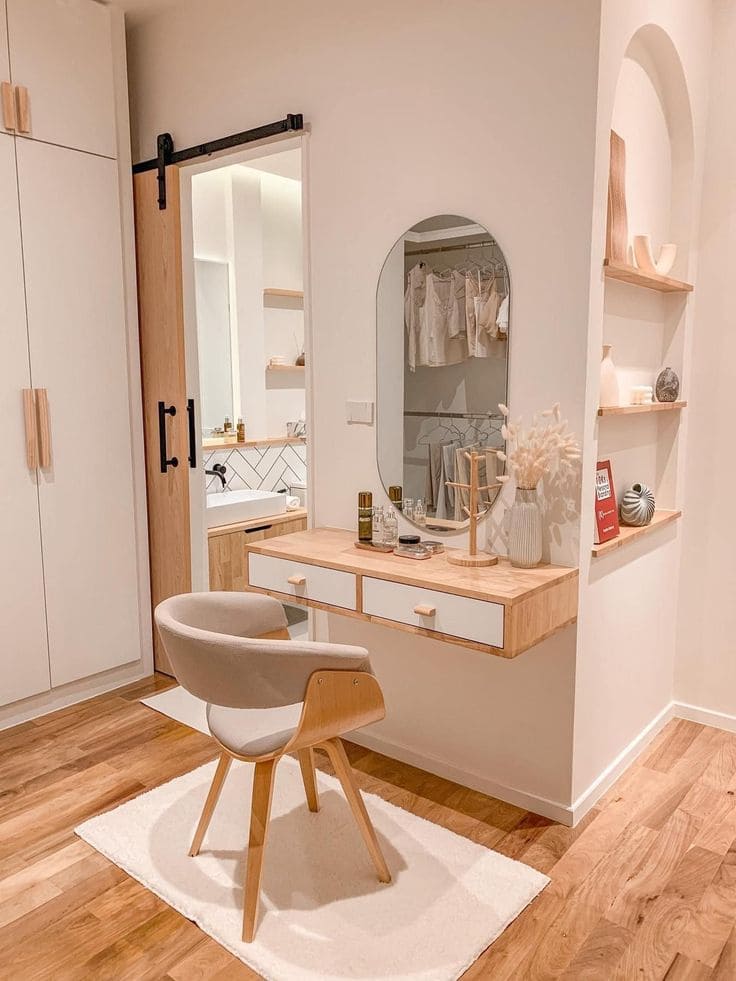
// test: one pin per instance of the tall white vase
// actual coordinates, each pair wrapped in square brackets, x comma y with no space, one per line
[525,530]
[609,379]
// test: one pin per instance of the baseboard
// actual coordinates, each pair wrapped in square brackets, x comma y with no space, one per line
[554,810]
[78,691]
[706,717]
[592,794]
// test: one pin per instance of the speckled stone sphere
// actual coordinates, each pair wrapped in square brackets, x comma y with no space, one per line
[668,386]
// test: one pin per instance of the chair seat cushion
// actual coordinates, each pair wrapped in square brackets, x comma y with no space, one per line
[254,732]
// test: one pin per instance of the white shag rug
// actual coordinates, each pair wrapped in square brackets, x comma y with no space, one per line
[323,913]
[181,706]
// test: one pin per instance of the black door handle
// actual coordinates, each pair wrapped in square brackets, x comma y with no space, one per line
[192,435]
[163,411]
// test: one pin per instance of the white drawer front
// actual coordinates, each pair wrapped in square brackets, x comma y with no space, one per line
[323,585]
[458,616]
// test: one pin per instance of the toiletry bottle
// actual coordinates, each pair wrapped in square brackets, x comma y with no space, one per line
[420,512]
[241,431]
[408,508]
[390,528]
[227,426]
[365,516]
[395,495]
[377,525]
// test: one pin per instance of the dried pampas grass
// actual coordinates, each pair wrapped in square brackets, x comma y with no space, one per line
[536,452]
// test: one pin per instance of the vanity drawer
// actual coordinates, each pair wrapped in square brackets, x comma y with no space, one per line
[302,581]
[446,613]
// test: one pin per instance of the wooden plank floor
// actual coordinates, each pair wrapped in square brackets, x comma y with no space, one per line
[644,888]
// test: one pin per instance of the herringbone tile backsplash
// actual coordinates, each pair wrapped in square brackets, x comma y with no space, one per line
[271,467]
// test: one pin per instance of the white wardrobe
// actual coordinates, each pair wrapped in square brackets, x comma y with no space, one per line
[70,596]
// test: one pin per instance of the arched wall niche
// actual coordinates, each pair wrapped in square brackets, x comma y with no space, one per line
[652,112]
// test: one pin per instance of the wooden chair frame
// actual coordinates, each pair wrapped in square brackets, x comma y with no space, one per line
[335,702]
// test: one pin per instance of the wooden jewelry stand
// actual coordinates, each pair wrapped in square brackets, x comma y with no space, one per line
[471,557]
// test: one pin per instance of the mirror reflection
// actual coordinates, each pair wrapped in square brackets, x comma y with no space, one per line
[442,361]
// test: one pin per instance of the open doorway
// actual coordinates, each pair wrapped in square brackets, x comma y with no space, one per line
[243,272]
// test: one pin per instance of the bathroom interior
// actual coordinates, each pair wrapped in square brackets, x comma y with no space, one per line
[367,603]
[247,344]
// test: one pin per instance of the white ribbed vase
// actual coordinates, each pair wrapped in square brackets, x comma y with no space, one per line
[525,529]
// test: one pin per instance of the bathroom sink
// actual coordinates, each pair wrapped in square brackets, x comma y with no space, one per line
[227,507]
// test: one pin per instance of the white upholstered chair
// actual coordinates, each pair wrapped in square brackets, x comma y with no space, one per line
[233,651]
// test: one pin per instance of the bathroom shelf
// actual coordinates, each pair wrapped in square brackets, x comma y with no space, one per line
[629,535]
[286,294]
[634,276]
[625,410]
[284,367]
[233,444]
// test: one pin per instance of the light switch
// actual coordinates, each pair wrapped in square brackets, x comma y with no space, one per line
[361,412]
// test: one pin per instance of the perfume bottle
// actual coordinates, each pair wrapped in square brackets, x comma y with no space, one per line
[408,508]
[390,528]
[420,512]
[377,525]
[365,516]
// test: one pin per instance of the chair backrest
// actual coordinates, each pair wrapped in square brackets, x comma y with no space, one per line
[212,642]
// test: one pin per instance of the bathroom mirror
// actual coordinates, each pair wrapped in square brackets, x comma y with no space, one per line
[214,342]
[442,364]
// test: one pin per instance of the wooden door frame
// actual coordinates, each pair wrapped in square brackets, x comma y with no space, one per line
[165,291]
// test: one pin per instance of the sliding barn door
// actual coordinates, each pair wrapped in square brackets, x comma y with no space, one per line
[163,367]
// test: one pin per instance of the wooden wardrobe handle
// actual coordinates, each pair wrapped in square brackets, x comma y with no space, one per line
[6,94]
[24,109]
[297,580]
[29,413]
[425,611]
[44,428]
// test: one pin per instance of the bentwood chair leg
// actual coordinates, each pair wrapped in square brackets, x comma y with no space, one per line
[209,805]
[259,817]
[336,751]
[306,762]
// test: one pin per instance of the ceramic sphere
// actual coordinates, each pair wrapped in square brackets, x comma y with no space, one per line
[637,506]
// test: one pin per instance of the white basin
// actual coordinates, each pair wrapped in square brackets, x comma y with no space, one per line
[227,507]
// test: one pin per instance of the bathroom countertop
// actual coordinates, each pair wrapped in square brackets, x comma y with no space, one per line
[284,517]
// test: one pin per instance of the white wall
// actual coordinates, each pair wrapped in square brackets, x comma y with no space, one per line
[706,667]
[628,621]
[384,155]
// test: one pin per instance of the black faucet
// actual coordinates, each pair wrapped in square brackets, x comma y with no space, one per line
[218,470]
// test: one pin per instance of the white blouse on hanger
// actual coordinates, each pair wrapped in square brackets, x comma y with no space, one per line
[481,310]
[434,313]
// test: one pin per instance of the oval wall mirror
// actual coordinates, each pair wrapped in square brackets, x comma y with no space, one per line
[442,364]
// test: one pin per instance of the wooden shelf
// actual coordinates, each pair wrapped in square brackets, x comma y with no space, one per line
[284,367]
[233,444]
[287,294]
[625,410]
[628,535]
[634,276]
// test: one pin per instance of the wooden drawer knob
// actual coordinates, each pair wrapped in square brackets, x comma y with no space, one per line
[425,611]
[297,580]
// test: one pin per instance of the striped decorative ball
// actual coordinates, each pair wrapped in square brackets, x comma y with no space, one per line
[637,506]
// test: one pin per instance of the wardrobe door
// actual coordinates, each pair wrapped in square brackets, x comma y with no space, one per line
[6,105]
[24,663]
[76,321]
[61,53]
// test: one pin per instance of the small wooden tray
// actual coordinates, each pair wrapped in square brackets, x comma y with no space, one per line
[370,547]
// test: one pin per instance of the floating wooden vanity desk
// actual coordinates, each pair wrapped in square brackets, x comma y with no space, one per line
[499,610]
